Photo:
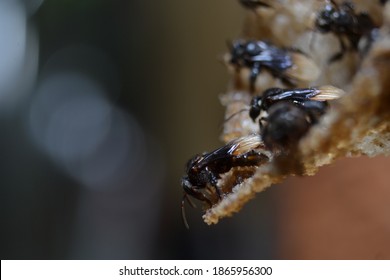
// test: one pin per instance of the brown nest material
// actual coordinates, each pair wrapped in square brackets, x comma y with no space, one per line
[357,124]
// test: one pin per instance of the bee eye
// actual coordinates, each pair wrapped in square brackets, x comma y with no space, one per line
[254,112]
[186,183]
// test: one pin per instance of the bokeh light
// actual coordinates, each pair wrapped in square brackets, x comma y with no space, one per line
[19,54]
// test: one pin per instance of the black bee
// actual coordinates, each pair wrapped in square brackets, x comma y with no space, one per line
[254,4]
[204,171]
[344,22]
[383,1]
[290,113]
[287,123]
[291,66]
[297,96]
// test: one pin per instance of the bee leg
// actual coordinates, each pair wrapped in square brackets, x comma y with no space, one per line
[213,182]
[189,201]
[314,109]
[255,70]
[198,195]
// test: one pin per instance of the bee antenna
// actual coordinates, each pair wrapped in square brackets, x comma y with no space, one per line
[234,114]
[183,212]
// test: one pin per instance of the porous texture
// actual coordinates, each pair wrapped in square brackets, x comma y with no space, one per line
[357,124]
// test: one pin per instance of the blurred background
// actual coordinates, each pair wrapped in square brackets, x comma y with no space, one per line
[101,105]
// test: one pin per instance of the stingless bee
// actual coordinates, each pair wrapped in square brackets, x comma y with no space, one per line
[345,23]
[287,114]
[204,171]
[291,66]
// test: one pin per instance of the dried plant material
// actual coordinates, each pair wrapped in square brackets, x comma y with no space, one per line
[237,121]
[357,124]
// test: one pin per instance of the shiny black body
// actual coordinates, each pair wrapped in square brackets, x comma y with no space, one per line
[259,54]
[287,123]
[344,22]
[205,170]
[290,114]
[253,4]
[298,96]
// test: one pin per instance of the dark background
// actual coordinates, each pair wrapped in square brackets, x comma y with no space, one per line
[103,105]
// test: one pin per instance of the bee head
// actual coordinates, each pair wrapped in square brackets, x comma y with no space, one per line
[186,185]
[237,50]
[255,107]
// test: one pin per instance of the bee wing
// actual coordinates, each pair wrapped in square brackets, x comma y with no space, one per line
[245,144]
[234,148]
[327,92]
[303,69]
[322,93]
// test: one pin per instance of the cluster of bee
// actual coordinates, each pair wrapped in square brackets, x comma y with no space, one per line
[284,115]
